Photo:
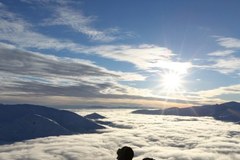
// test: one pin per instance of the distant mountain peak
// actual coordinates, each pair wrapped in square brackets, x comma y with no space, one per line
[94,116]
[230,103]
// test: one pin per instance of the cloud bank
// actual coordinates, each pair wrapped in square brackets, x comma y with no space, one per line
[160,137]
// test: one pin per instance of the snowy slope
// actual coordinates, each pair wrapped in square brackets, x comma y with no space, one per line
[21,122]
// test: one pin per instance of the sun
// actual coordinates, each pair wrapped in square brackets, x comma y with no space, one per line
[172,82]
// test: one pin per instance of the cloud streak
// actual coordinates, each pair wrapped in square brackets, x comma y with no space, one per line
[17,31]
[229,42]
[232,89]
[227,65]
[222,53]
[80,23]
[146,56]
[225,61]
[37,73]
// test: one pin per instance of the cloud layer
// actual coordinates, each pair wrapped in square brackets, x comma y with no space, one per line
[27,69]
[62,81]
[36,73]
[160,137]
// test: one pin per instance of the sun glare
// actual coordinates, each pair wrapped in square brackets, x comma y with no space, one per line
[172,82]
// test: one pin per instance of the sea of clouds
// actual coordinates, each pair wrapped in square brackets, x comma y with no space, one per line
[159,137]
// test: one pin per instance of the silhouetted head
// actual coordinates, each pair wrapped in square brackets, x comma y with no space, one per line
[148,159]
[125,153]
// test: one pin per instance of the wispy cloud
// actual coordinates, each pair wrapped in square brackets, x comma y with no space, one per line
[213,96]
[65,80]
[221,53]
[224,61]
[65,14]
[228,42]
[214,93]
[71,74]
[48,2]
[227,65]
[31,63]
[53,72]
[19,32]
[34,73]
[144,56]
[77,21]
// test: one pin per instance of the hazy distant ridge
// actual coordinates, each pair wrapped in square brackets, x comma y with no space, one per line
[229,111]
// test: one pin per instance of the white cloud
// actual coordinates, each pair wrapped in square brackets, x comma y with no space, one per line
[65,12]
[19,32]
[225,61]
[34,73]
[228,42]
[213,96]
[159,137]
[145,56]
[232,89]
[221,53]
[65,80]
[226,65]
[83,24]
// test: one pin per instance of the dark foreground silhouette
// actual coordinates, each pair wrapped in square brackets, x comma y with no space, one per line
[126,153]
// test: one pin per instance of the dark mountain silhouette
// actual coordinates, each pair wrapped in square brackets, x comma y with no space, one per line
[229,111]
[99,119]
[22,122]
[94,116]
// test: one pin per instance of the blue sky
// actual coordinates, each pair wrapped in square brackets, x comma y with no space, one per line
[159,53]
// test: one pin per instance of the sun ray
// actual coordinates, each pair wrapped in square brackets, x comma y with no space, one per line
[172,82]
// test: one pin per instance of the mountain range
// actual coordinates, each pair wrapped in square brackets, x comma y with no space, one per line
[229,111]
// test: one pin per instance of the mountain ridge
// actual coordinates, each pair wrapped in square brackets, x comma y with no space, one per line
[24,121]
[229,111]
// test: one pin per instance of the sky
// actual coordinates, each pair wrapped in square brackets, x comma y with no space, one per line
[159,53]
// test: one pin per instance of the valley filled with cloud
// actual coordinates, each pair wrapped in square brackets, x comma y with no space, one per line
[156,136]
